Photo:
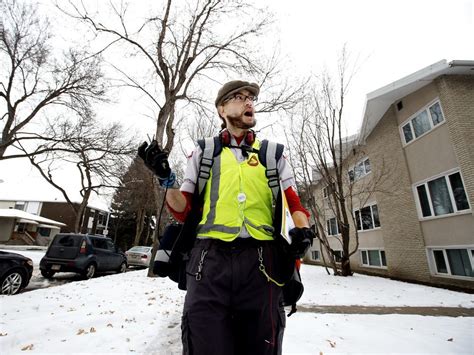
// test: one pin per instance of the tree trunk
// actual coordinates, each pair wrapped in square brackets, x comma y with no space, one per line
[139,227]
[345,261]
[156,234]
[81,211]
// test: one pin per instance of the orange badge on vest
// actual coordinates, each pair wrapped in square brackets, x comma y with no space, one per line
[253,161]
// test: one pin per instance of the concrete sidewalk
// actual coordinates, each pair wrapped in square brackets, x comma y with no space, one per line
[423,311]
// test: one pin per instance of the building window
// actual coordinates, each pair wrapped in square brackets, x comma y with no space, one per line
[373,258]
[44,232]
[453,261]
[20,205]
[442,195]
[101,219]
[337,255]
[367,218]
[327,190]
[361,169]
[422,122]
[315,255]
[332,226]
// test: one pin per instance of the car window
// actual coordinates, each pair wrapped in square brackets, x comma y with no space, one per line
[110,245]
[99,243]
[67,240]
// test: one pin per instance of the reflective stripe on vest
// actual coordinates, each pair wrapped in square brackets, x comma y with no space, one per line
[223,213]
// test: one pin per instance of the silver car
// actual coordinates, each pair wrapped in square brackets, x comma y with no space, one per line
[138,256]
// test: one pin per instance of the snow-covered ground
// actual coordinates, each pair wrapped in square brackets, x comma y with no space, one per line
[131,313]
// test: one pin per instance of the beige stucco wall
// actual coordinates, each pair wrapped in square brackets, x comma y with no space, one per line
[431,154]
[371,239]
[452,230]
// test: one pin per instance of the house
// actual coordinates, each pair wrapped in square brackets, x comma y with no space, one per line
[95,220]
[20,227]
[416,139]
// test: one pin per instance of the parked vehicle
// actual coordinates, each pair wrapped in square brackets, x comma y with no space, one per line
[15,272]
[138,256]
[85,254]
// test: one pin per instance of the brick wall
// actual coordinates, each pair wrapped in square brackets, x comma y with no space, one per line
[402,235]
[457,97]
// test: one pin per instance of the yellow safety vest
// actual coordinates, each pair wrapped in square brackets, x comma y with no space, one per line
[237,194]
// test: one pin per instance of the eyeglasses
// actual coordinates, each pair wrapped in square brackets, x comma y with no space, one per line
[242,98]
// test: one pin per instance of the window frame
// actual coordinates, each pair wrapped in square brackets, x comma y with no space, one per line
[425,182]
[361,162]
[409,120]
[433,266]
[319,255]
[337,258]
[327,190]
[337,227]
[371,215]
[366,250]
[20,203]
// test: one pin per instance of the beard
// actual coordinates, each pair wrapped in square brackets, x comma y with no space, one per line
[237,122]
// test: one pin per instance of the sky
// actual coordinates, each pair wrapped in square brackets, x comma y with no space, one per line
[132,314]
[387,40]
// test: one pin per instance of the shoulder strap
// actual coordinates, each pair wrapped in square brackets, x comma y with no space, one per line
[269,154]
[211,147]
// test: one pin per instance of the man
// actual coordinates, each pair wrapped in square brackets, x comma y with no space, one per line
[233,300]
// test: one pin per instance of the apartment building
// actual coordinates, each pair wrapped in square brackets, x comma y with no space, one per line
[416,146]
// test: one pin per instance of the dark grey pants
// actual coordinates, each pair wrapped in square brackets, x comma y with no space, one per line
[230,307]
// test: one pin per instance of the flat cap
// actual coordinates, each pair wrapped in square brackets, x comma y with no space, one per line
[234,86]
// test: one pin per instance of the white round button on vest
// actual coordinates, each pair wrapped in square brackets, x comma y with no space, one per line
[241,197]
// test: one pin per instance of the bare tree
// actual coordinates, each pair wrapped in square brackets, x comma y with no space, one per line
[188,42]
[322,155]
[99,153]
[133,197]
[33,78]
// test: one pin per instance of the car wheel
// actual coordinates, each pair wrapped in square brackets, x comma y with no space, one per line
[48,274]
[89,272]
[11,282]
[123,267]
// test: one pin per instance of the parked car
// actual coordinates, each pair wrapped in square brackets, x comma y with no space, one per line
[138,256]
[15,272]
[85,254]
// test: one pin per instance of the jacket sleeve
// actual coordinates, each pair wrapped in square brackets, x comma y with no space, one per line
[294,202]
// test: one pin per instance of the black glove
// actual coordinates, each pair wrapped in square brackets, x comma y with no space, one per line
[301,240]
[155,159]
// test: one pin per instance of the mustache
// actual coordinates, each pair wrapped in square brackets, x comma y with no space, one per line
[237,122]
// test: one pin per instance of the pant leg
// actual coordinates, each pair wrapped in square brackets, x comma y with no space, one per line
[207,322]
[233,309]
[259,318]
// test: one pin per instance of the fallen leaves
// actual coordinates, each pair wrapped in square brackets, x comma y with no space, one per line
[332,343]
[3,334]
[450,339]
[82,331]
[28,347]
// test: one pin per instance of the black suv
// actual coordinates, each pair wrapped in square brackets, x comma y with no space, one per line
[82,253]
